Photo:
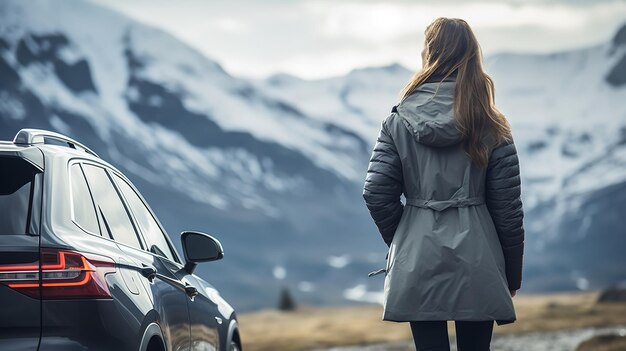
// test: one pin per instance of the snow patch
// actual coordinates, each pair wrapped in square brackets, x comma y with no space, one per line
[361,294]
[338,261]
[279,272]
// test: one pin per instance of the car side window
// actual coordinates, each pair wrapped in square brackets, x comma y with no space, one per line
[110,207]
[16,188]
[153,235]
[84,212]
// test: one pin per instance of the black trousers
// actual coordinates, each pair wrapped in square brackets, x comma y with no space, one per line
[470,336]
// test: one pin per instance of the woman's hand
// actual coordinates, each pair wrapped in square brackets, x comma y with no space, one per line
[513,293]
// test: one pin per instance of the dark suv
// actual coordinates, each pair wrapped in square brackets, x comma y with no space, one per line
[85,264]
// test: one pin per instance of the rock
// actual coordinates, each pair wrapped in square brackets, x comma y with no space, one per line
[608,342]
[614,294]
[620,37]
[286,302]
[617,75]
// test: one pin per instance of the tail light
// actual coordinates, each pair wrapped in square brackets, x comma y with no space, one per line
[64,275]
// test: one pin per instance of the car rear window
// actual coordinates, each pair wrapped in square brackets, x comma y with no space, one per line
[16,182]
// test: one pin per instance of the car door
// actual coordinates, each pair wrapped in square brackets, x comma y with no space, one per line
[202,310]
[143,273]
[20,204]
[203,315]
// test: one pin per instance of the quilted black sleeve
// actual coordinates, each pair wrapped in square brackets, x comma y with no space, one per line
[503,198]
[383,185]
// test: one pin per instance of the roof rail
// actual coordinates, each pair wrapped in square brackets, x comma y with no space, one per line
[37,136]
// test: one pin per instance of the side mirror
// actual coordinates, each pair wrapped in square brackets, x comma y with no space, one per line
[200,247]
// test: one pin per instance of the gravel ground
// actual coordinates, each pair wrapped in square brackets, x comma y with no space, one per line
[537,341]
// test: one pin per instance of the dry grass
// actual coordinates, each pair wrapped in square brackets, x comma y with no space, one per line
[314,328]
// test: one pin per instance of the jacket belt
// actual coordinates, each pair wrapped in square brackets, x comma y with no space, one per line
[438,205]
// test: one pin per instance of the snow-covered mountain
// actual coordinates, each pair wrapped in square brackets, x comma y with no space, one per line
[274,168]
[564,112]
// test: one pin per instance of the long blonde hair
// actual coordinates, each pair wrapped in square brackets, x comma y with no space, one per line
[451,48]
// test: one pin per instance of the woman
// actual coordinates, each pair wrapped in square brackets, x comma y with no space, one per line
[456,245]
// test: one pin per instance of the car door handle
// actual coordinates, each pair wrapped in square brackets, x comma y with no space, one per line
[148,272]
[191,291]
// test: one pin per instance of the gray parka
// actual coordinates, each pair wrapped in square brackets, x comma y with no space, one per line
[456,245]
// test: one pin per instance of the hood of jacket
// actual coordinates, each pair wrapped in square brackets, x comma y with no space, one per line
[428,114]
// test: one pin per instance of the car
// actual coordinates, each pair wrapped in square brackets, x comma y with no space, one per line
[86,265]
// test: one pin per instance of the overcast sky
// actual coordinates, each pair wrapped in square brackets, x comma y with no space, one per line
[315,39]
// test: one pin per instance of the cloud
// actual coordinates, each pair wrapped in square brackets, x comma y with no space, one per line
[321,38]
[230,24]
[378,22]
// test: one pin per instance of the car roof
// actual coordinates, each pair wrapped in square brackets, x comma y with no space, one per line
[65,154]
[65,150]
